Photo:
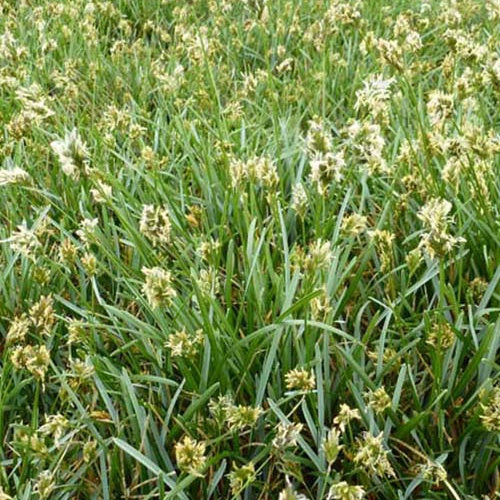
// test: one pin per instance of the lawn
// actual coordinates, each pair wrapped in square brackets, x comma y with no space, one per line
[249,249]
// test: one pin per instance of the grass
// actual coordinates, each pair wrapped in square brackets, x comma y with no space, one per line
[322,184]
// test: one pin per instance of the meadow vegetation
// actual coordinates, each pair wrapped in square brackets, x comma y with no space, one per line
[249,249]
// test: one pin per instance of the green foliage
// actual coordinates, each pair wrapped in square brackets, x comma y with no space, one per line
[249,249]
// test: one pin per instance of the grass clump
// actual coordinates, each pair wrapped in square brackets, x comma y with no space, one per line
[249,249]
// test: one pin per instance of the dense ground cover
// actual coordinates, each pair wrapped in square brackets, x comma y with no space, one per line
[249,249]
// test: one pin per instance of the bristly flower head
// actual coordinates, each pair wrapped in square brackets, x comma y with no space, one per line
[374,95]
[318,139]
[190,456]
[319,257]
[18,330]
[72,154]
[241,477]
[45,485]
[240,417]
[354,224]
[25,241]
[490,411]
[434,215]
[384,241]
[299,199]
[331,445]
[433,471]
[42,314]
[372,455]
[378,400]
[102,192]
[344,491]
[327,169]
[184,345]
[442,336]
[300,379]
[158,287]
[345,415]
[155,224]
[260,170]
[35,359]
[287,435]
[289,493]
[14,175]
[55,425]
[439,107]
[87,230]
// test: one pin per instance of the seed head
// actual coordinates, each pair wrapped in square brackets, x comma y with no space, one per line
[241,477]
[158,287]
[190,455]
[300,379]
[155,224]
